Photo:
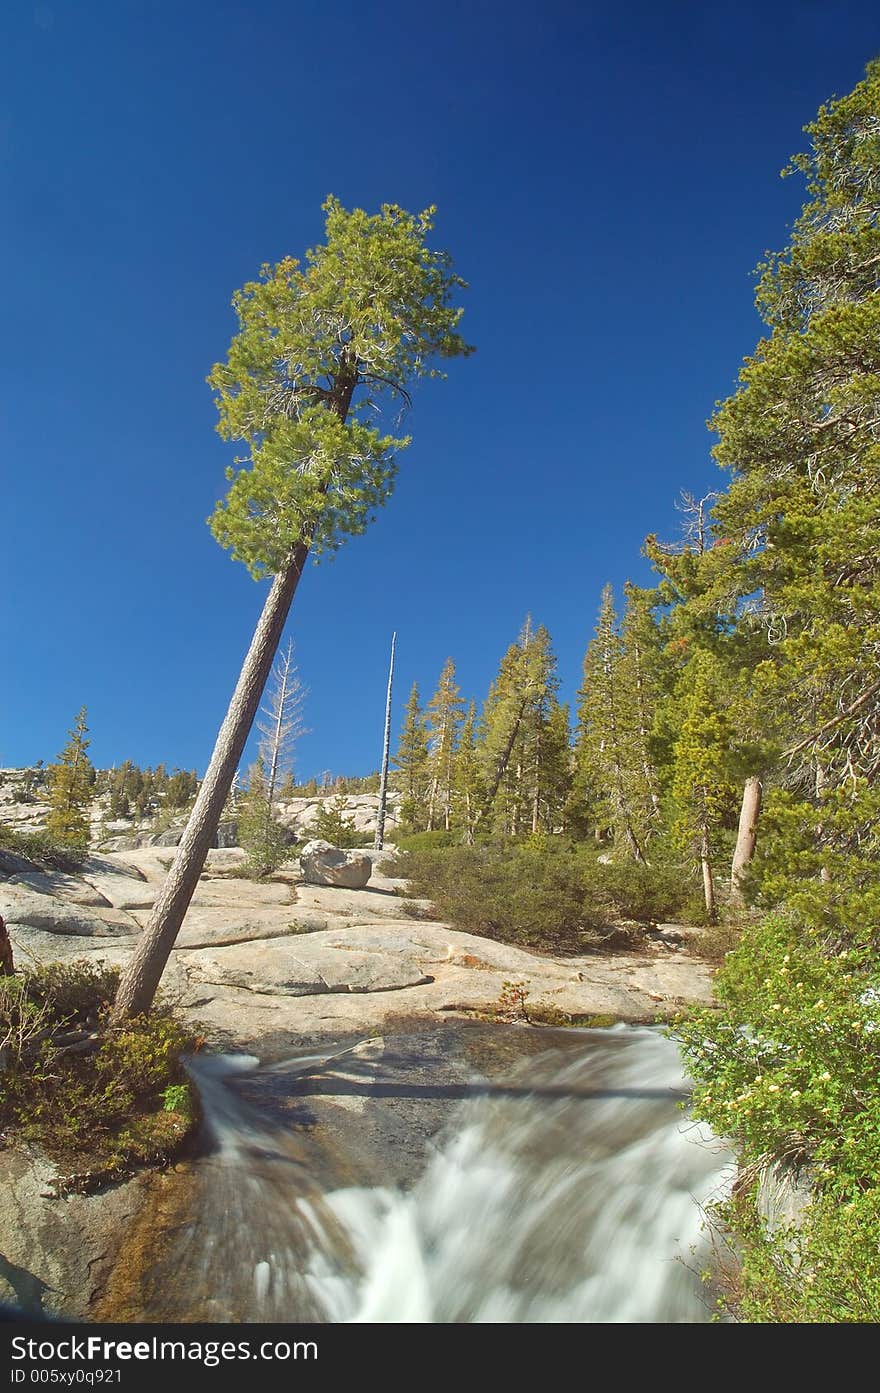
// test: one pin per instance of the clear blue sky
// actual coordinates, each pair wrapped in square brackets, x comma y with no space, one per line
[606,177]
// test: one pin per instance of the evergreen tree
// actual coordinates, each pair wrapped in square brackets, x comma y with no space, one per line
[181,787]
[785,587]
[523,744]
[556,771]
[72,788]
[542,759]
[802,513]
[319,348]
[120,785]
[412,762]
[264,840]
[641,692]
[443,724]
[287,789]
[468,784]
[501,726]
[604,737]
[332,825]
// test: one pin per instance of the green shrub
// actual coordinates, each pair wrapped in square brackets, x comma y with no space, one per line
[43,850]
[543,892]
[650,894]
[331,825]
[788,1069]
[426,841]
[93,1098]
[517,894]
[74,993]
[826,1272]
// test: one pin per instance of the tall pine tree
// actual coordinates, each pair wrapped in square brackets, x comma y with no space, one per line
[443,726]
[704,790]
[468,782]
[72,788]
[604,736]
[412,762]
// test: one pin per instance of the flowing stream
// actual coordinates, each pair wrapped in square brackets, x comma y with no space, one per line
[571,1188]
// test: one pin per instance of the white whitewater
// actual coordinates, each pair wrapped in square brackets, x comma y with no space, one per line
[573,1191]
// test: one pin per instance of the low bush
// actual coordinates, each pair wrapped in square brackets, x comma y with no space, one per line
[509,893]
[826,1272]
[426,841]
[544,892]
[663,890]
[42,849]
[95,1099]
[788,1070]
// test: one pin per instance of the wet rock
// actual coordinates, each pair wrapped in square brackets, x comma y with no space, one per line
[56,1253]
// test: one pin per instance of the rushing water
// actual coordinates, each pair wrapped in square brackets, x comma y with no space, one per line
[571,1190]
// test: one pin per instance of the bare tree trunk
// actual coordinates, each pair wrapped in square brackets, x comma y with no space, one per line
[745,839]
[632,840]
[821,781]
[432,802]
[7,962]
[708,883]
[386,746]
[277,729]
[140,979]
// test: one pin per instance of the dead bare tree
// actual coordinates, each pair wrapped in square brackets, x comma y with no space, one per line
[386,746]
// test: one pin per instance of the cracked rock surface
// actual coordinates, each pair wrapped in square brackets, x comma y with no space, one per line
[286,955]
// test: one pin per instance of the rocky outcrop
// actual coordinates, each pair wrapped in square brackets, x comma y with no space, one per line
[29,909]
[323,864]
[288,956]
[783,1196]
[13,864]
[308,967]
[56,1253]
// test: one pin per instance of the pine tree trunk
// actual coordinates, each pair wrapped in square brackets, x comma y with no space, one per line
[708,883]
[386,746]
[501,767]
[821,780]
[746,838]
[632,841]
[140,979]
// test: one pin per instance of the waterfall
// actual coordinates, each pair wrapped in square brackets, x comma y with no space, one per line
[572,1190]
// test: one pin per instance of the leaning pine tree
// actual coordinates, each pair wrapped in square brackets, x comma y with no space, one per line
[319,347]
